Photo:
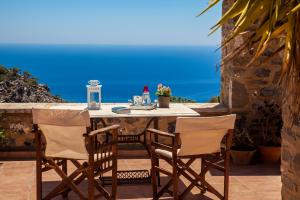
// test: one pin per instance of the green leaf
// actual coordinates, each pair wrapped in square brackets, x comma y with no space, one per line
[295,9]
[211,4]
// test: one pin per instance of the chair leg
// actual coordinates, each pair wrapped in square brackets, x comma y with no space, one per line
[175,182]
[66,183]
[38,166]
[226,175]
[155,125]
[202,164]
[158,174]
[153,175]
[202,171]
[90,171]
[115,166]
[114,180]
[38,180]
[90,178]
[65,170]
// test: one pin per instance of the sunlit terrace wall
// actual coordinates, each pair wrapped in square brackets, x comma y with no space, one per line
[16,122]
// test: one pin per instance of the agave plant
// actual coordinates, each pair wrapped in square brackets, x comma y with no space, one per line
[273,19]
[264,21]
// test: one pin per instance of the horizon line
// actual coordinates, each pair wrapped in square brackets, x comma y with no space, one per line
[103,44]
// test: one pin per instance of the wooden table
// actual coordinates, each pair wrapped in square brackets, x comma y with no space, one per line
[175,110]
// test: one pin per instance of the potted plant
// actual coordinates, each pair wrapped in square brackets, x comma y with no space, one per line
[4,141]
[268,125]
[163,93]
[242,150]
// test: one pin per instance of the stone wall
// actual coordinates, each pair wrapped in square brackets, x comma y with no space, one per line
[19,137]
[17,132]
[290,162]
[251,85]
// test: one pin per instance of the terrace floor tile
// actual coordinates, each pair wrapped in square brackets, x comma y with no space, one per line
[253,182]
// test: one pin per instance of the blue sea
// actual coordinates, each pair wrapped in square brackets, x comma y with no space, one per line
[190,71]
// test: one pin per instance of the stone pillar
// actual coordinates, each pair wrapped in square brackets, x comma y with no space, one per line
[290,159]
[250,85]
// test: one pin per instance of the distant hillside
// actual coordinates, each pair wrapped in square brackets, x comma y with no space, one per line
[22,87]
[175,99]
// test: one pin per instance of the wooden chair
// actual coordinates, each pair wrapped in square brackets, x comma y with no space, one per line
[195,137]
[67,136]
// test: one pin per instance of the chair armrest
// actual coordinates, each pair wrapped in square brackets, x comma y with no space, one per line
[102,130]
[160,144]
[34,128]
[160,133]
[155,144]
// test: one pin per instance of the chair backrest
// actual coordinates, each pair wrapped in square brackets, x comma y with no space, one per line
[203,135]
[63,131]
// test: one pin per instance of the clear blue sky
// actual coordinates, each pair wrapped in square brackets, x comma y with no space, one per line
[135,22]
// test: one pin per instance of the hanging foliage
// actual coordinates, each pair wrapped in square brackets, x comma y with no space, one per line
[273,18]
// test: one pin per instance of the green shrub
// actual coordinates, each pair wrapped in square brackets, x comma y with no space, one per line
[15,71]
[3,77]
[2,134]
[215,99]
[3,70]
[175,99]
[32,81]
[26,74]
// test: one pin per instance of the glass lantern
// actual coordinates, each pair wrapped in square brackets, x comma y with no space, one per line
[94,95]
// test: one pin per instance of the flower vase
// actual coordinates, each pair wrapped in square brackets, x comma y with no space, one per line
[163,102]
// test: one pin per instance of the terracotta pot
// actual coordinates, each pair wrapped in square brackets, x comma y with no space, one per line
[163,102]
[270,155]
[242,157]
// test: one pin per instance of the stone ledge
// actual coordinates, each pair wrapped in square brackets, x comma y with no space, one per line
[17,155]
[208,107]
[26,107]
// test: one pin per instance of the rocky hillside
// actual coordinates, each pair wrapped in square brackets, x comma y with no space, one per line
[22,87]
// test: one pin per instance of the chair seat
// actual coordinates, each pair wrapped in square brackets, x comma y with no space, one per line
[168,154]
[76,156]
[165,153]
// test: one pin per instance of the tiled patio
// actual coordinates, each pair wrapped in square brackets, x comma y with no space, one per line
[255,182]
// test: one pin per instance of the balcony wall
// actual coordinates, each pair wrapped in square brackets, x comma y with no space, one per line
[16,121]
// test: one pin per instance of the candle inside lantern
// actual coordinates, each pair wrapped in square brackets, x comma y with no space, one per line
[93,104]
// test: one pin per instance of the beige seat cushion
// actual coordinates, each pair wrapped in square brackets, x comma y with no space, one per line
[67,154]
[165,153]
[77,156]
